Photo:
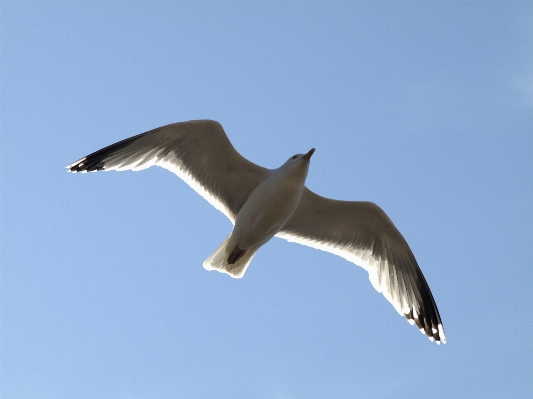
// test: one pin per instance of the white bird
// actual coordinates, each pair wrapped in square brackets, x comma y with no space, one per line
[263,203]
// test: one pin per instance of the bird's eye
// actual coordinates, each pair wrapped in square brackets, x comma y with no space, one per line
[294,157]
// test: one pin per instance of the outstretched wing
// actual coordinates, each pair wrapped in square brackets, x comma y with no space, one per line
[199,152]
[363,234]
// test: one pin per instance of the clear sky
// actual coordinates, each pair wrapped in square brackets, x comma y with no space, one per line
[424,108]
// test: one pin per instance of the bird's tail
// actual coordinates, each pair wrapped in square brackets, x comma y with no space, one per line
[219,260]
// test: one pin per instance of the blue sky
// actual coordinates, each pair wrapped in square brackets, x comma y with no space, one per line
[424,108]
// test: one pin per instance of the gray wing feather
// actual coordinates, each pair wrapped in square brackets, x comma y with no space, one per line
[363,234]
[199,152]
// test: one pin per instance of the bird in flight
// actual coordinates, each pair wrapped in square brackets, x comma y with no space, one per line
[263,203]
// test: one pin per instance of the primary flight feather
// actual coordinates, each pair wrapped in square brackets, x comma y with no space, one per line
[263,203]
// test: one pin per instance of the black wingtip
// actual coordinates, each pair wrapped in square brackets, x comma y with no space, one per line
[86,165]
[97,160]
[435,332]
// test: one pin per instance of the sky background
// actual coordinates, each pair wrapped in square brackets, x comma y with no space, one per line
[423,108]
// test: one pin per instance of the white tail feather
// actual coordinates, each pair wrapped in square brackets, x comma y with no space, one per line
[218,261]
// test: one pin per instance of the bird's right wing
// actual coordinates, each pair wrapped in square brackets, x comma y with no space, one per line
[363,234]
[199,152]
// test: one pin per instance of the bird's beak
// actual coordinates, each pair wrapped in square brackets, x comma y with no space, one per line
[308,155]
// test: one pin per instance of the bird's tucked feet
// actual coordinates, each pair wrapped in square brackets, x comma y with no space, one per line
[235,255]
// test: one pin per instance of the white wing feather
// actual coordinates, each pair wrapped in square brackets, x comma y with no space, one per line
[361,233]
[198,152]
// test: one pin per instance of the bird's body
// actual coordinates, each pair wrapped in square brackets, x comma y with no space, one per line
[264,203]
[266,210]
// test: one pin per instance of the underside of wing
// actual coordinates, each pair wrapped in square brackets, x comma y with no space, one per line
[199,152]
[363,234]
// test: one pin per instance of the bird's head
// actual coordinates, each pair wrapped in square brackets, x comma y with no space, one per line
[298,164]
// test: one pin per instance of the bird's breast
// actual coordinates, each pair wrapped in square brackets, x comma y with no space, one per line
[266,210]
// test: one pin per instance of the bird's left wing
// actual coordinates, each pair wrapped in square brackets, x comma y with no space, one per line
[199,152]
[363,234]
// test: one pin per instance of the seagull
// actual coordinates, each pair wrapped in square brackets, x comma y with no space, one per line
[263,203]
